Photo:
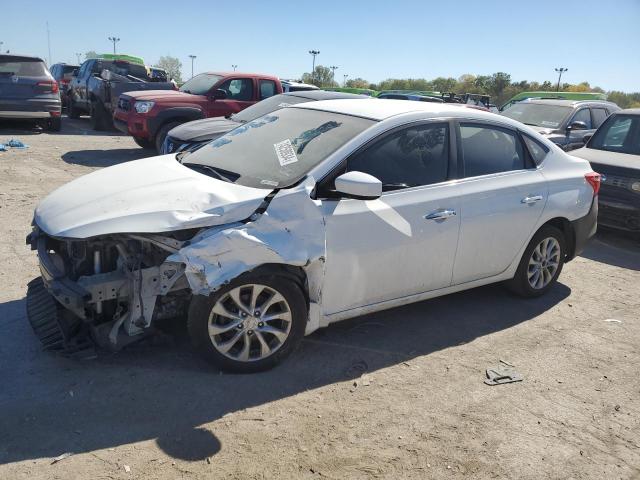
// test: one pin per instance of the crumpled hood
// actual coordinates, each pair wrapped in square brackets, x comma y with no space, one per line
[613,159]
[152,195]
[160,95]
[205,129]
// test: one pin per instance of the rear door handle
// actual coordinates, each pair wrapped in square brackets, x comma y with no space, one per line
[530,200]
[440,214]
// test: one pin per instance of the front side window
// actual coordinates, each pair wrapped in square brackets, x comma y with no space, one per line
[488,150]
[200,84]
[276,150]
[583,116]
[537,114]
[267,89]
[620,133]
[411,157]
[238,89]
[599,116]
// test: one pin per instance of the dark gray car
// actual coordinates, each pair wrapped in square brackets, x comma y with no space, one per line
[192,135]
[29,91]
[564,122]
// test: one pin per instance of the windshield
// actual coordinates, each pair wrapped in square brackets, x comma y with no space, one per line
[278,149]
[620,133]
[23,68]
[200,84]
[538,115]
[269,105]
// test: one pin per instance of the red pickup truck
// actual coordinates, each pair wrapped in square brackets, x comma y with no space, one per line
[148,115]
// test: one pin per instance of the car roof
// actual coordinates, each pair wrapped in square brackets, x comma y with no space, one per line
[381,109]
[242,75]
[325,95]
[566,103]
[7,57]
[628,111]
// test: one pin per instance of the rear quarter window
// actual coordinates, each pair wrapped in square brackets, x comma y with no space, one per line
[537,150]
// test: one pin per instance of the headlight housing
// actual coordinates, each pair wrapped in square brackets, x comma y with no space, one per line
[143,107]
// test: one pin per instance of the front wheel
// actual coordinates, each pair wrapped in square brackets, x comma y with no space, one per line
[250,325]
[143,142]
[162,134]
[541,263]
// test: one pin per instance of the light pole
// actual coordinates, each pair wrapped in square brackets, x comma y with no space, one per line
[344,80]
[78,55]
[234,67]
[192,57]
[560,71]
[333,73]
[114,40]
[313,65]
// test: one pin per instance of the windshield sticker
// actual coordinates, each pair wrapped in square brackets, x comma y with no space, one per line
[285,152]
[284,104]
[253,124]
[271,183]
[301,141]
[549,124]
[219,142]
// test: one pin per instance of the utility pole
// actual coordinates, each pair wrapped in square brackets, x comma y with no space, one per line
[560,71]
[333,73]
[192,57]
[78,55]
[344,80]
[49,43]
[313,65]
[114,40]
[234,67]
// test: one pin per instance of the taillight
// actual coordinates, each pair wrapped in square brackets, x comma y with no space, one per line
[593,179]
[48,86]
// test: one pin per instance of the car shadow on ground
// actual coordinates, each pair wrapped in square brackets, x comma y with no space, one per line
[51,404]
[620,249]
[105,158]
[70,126]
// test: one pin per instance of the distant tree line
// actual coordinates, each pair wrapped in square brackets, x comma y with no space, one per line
[499,86]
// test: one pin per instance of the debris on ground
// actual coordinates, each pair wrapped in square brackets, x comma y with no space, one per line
[13,143]
[503,373]
[612,320]
[61,457]
[127,468]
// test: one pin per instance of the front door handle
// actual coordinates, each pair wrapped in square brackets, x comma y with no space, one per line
[530,200]
[440,214]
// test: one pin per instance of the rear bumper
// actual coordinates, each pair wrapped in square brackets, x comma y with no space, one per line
[584,228]
[31,108]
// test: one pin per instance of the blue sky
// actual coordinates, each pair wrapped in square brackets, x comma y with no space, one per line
[597,41]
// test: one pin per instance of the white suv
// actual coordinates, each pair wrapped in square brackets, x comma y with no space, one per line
[313,214]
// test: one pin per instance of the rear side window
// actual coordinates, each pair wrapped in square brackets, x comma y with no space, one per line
[537,150]
[599,116]
[238,89]
[411,157]
[583,116]
[487,149]
[23,68]
[267,89]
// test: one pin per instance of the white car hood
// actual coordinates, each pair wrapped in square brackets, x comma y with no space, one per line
[152,195]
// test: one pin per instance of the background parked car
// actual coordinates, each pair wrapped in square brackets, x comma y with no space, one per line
[564,122]
[415,98]
[29,91]
[553,95]
[192,135]
[292,86]
[97,86]
[614,151]
[63,73]
[148,116]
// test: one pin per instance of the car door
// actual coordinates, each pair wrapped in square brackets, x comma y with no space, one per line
[240,95]
[404,242]
[575,137]
[502,194]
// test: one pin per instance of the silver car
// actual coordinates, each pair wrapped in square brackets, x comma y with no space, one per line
[29,91]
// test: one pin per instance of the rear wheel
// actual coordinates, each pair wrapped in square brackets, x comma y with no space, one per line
[143,142]
[72,110]
[162,134]
[100,119]
[541,263]
[54,124]
[250,325]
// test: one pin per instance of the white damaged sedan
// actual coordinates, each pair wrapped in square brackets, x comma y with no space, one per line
[306,216]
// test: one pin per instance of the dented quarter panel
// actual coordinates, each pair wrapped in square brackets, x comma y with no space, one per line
[152,195]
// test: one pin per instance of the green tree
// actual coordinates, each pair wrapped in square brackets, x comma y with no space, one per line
[172,66]
[90,54]
[322,77]
[358,83]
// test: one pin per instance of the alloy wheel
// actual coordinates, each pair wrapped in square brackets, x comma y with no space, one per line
[543,263]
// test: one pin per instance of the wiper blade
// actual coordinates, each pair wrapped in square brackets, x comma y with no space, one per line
[210,169]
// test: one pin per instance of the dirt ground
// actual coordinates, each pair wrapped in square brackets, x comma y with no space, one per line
[398,394]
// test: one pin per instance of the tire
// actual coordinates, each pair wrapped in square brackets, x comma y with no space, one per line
[245,335]
[73,111]
[162,134]
[143,142]
[525,282]
[99,116]
[54,124]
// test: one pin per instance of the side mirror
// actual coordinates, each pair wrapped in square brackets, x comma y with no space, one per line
[577,125]
[219,94]
[359,185]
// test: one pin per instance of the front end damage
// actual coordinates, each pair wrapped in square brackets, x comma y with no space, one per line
[111,289]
